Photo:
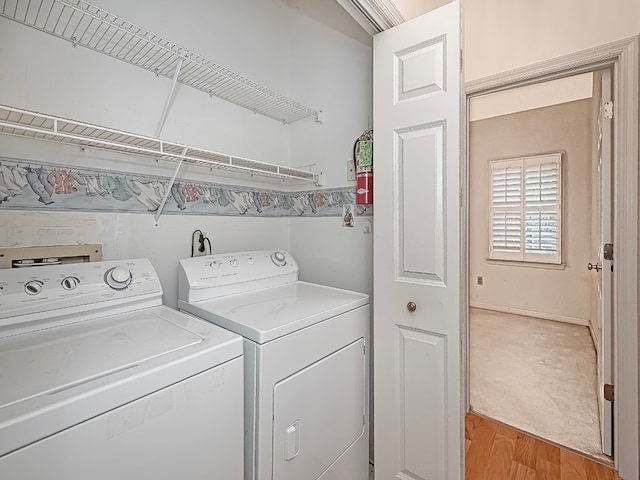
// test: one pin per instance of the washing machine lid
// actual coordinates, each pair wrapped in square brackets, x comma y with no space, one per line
[54,378]
[266,314]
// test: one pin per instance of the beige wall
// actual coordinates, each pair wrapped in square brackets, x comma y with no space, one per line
[561,294]
[500,35]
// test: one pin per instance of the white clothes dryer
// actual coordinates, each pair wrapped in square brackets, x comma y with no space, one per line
[306,368]
[99,380]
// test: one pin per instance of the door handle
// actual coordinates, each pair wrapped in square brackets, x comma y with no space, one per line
[292,441]
[597,267]
[411,306]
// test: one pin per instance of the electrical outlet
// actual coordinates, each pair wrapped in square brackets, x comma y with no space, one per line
[480,281]
[199,244]
[351,171]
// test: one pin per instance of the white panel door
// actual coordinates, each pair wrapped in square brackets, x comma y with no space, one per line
[417,393]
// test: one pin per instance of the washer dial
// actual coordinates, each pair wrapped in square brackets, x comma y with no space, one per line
[33,287]
[118,278]
[70,283]
[279,259]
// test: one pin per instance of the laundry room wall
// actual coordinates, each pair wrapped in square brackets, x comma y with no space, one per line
[500,35]
[339,81]
[256,38]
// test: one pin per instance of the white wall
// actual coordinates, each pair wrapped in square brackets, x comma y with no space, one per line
[309,50]
[501,35]
[333,71]
[331,254]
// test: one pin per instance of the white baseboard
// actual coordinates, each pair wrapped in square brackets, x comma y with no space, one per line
[528,313]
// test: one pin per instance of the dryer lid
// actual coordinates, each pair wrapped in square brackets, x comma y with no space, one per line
[267,314]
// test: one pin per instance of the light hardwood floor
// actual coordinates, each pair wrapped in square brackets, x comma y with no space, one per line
[496,452]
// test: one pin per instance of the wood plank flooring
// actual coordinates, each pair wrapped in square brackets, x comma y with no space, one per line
[496,452]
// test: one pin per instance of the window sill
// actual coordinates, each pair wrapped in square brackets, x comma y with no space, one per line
[517,263]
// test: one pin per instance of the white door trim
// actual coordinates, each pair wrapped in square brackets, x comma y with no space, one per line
[623,56]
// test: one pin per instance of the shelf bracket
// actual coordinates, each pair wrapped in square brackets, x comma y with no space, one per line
[165,110]
[156,218]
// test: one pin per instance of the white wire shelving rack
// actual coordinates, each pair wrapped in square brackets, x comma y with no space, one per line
[24,123]
[89,26]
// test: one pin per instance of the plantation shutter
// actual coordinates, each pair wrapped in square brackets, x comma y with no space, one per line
[526,209]
[542,209]
[506,215]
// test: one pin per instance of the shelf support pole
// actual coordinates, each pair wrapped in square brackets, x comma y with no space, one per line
[165,110]
[156,218]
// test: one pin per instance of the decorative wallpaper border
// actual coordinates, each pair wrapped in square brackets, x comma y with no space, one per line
[41,186]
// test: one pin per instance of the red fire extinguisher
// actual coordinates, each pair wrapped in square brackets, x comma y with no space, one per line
[363,158]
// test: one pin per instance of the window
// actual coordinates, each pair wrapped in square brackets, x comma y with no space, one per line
[526,210]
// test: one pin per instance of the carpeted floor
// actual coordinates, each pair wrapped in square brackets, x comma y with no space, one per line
[538,376]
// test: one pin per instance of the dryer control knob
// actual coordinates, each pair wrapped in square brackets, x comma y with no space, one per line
[70,283]
[33,287]
[118,278]
[279,259]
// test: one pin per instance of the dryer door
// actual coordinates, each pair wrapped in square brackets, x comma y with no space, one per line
[318,414]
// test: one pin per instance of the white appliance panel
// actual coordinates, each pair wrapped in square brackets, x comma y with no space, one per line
[287,355]
[61,291]
[265,314]
[44,361]
[319,412]
[145,439]
[203,278]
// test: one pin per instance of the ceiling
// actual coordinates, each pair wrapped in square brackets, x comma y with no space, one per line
[378,15]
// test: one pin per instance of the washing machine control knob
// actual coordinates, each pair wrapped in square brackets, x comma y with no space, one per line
[70,283]
[33,287]
[279,259]
[234,262]
[118,278]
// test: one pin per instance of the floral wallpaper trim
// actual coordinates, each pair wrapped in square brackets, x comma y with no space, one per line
[30,186]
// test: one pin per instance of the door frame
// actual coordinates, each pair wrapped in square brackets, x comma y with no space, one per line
[622,57]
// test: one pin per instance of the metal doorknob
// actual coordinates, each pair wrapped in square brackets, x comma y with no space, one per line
[411,306]
[597,267]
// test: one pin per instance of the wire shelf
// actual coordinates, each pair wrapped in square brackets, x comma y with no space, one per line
[87,25]
[23,123]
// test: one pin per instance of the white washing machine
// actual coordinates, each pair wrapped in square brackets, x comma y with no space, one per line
[306,369]
[99,380]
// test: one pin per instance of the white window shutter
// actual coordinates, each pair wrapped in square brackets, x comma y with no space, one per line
[506,211]
[526,211]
